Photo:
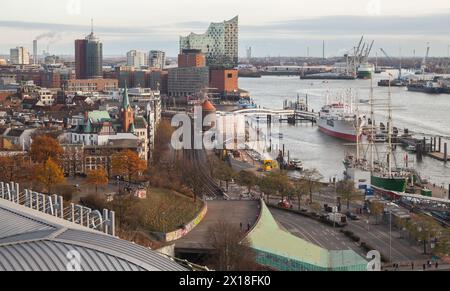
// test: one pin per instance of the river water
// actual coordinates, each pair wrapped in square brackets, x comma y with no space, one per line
[421,113]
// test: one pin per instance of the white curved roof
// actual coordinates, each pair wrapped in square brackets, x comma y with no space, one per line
[34,241]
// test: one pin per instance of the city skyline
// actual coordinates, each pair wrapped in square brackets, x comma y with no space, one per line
[285,29]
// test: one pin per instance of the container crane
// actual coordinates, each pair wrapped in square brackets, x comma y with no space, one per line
[425,59]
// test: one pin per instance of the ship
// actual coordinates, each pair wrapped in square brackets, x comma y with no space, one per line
[338,120]
[365,71]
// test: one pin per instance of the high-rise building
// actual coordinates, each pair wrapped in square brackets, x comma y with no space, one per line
[136,59]
[220,43]
[89,57]
[19,56]
[157,59]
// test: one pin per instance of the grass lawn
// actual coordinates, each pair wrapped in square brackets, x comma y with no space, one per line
[166,210]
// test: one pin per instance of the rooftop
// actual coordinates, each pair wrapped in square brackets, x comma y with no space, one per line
[34,241]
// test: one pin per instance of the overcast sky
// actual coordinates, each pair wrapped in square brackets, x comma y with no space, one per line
[271,27]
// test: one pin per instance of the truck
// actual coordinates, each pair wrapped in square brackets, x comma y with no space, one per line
[337,219]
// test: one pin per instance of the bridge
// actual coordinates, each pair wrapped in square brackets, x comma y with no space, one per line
[289,115]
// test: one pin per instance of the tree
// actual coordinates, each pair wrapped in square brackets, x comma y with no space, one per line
[233,251]
[44,147]
[97,178]
[376,208]
[442,248]
[127,164]
[312,179]
[193,180]
[49,174]
[346,190]
[424,229]
[224,173]
[246,179]
[7,169]
[266,185]
[300,188]
[163,138]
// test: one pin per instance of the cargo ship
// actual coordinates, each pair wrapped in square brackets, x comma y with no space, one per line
[365,71]
[338,120]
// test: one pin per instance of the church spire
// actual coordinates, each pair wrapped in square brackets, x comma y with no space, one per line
[125,98]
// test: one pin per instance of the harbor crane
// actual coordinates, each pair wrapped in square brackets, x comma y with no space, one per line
[425,58]
[392,61]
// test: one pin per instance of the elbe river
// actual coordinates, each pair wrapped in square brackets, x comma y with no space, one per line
[423,114]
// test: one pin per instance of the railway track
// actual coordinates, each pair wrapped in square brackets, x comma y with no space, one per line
[199,160]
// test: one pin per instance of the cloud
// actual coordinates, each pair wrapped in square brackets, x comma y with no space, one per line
[289,37]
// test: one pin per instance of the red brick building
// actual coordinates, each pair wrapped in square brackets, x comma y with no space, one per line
[224,81]
[80,58]
[191,58]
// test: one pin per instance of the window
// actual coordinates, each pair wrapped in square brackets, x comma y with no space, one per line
[230,75]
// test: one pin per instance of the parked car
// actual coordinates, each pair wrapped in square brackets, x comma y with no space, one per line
[352,216]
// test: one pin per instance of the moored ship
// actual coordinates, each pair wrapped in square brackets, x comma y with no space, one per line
[338,120]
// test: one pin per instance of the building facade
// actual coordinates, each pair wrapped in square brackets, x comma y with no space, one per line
[19,56]
[220,43]
[136,59]
[157,59]
[89,57]
[191,58]
[187,82]
[91,85]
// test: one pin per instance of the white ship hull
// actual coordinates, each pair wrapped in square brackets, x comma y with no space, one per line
[342,129]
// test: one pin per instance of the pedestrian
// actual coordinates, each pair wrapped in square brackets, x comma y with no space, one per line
[424,267]
[412,266]
[248,226]
[437,265]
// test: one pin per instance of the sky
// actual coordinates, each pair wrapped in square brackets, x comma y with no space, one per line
[270,27]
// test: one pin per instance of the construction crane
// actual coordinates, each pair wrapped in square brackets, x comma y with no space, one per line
[425,59]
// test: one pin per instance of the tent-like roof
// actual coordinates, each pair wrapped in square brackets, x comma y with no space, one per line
[286,252]
[34,241]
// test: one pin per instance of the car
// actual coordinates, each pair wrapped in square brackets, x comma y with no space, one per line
[285,204]
[352,216]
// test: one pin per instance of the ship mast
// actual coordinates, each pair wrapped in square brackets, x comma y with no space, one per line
[390,150]
[372,129]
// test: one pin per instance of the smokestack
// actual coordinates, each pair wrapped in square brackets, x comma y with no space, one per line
[35,51]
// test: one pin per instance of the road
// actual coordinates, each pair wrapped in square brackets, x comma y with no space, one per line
[315,232]
[330,238]
[233,212]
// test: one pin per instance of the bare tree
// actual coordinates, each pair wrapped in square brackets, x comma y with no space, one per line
[233,252]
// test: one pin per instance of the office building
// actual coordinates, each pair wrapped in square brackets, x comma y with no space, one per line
[19,56]
[157,59]
[136,59]
[89,57]
[219,43]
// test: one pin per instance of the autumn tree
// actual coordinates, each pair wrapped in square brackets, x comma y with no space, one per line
[300,188]
[246,179]
[49,174]
[376,208]
[7,169]
[97,178]
[127,164]
[312,179]
[346,190]
[44,147]
[163,138]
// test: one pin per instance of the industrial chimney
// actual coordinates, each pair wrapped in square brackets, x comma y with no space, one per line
[35,52]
